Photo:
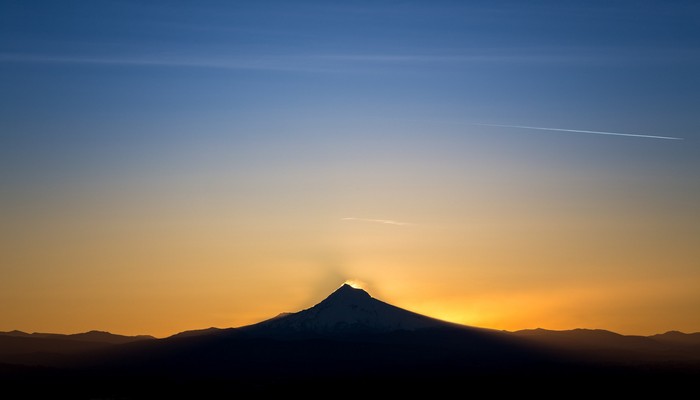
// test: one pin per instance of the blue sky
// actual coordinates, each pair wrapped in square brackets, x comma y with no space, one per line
[268,111]
[90,71]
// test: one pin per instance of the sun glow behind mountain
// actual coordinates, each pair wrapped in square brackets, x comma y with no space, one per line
[355,284]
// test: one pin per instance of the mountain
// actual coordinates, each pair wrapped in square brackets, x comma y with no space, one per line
[679,338]
[16,333]
[346,311]
[48,348]
[585,338]
[91,336]
[610,347]
[349,340]
[198,332]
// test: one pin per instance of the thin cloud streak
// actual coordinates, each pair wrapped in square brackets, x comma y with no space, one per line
[580,131]
[338,62]
[377,221]
[271,63]
[290,62]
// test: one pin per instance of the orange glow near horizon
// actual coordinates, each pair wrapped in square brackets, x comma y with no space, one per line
[622,305]
[132,273]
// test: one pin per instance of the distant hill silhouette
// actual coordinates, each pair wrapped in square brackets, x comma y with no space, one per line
[48,348]
[347,340]
[611,347]
[680,338]
[91,336]
[196,332]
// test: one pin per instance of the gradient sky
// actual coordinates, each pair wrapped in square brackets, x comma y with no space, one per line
[177,165]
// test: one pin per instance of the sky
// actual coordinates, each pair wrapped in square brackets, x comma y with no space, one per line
[173,165]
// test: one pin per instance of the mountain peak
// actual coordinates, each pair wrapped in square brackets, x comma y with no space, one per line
[346,310]
[347,286]
[347,293]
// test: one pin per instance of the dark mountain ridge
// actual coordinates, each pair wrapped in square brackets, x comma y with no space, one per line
[349,337]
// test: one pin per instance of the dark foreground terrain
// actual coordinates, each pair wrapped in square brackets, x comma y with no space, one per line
[350,343]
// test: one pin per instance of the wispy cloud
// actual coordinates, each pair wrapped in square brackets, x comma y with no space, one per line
[303,63]
[346,62]
[377,221]
[269,63]
[580,131]
[281,62]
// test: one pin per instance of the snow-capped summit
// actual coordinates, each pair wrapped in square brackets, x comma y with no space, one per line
[348,310]
[348,295]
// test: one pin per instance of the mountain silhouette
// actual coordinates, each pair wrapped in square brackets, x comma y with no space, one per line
[346,311]
[347,339]
[678,338]
[48,348]
[91,336]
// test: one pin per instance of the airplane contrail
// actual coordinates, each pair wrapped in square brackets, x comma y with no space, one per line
[580,131]
[379,221]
